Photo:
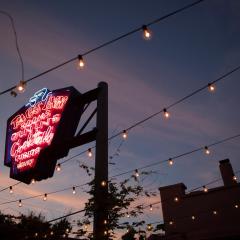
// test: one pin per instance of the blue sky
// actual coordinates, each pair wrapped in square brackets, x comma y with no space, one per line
[187,51]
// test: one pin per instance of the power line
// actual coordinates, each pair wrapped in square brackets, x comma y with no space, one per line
[108,43]
[16,41]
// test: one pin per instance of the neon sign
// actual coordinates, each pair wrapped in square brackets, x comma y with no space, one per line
[43,122]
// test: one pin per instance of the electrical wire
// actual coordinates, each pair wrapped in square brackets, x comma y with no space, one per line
[108,43]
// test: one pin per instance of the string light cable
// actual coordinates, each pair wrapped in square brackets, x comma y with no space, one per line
[108,43]
[16,43]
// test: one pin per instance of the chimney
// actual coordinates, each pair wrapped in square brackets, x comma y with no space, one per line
[227,173]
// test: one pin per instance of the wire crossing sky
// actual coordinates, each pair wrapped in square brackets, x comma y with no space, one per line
[186,52]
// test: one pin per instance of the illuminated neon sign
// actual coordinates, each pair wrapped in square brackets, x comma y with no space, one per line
[46,120]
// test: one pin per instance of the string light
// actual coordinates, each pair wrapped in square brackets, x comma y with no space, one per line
[58,168]
[124,134]
[171,223]
[211,87]
[33,181]
[170,161]
[67,230]
[51,233]
[105,232]
[36,234]
[176,199]
[207,151]
[85,227]
[136,173]
[205,189]
[81,63]
[45,197]
[21,87]
[151,207]
[74,190]
[166,113]
[89,152]
[103,183]
[235,178]
[128,215]
[149,227]
[105,221]
[236,205]
[11,190]
[214,212]
[20,203]
[146,33]
[193,217]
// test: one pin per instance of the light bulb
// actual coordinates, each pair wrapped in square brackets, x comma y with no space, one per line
[149,227]
[136,173]
[89,152]
[124,134]
[146,33]
[58,168]
[36,234]
[20,203]
[33,181]
[171,223]
[214,212]
[81,63]
[211,87]
[176,199]
[235,178]
[205,189]
[193,217]
[236,206]
[51,233]
[45,197]
[21,86]
[10,189]
[85,227]
[151,207]
[166,113]
[207,151]
[105,232]
[128,215]
[74,190]
[67,230]
[170,161]
[105,222]
[103,183]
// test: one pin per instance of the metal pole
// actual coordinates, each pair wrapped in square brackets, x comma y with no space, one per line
[101,165]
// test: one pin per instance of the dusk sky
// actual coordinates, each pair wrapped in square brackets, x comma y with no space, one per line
[186,51]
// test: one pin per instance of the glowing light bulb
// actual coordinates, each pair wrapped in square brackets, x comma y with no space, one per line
[81,63]
[45,197]
[235,178]
[214,212]
[236,206]
[205,189]
[105,222]
[136,174]
[105,232]
[166,113]
[103,183]
[211,87]
[51,233]
[33,181]
[193,217]
[151,207]
[128,215]
[207,151]
[176,199]
[20,203]
[146,33]
[67,230]
[74,190]
[171,223]
[58,168]
[36,234]
[11,190]
[170,161]
[124,134]
[21,87]
[89,152]
[85,227]
[149,227]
